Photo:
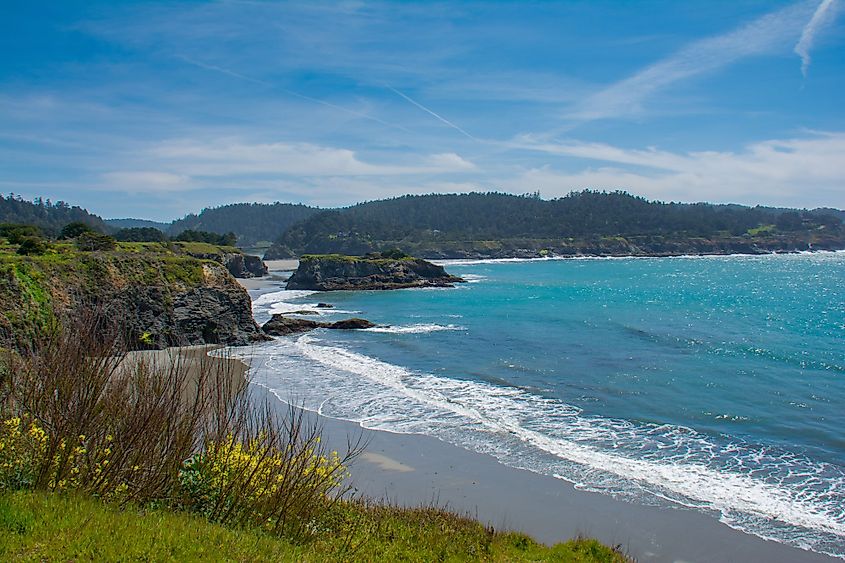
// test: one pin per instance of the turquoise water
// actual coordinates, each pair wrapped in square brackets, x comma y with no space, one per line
[714,383]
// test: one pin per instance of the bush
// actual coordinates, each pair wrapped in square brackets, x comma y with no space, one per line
[229,239]
[79,414]
[30,246]
[91,241]
[253,481]
[15,234]
[394,254]
[140,234]
[75,229]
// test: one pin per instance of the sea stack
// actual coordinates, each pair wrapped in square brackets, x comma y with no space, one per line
[334,272]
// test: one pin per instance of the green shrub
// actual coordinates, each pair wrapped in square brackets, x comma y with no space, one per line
[15,234]
[73,230]
[140,234]
[229,239]
[394,254]
[249,482]
[32,246]
[90,241]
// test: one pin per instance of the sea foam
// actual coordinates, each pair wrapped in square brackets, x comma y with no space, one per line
[414,329]
[756,489]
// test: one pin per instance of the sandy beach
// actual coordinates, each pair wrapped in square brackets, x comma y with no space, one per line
[279,272]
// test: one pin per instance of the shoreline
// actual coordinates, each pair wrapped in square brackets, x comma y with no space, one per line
[410,469]
[470,261]
[414,470]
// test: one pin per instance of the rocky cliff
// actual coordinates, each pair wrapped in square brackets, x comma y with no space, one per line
[160,298]
[338,272]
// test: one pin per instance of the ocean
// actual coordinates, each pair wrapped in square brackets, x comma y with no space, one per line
[713,383]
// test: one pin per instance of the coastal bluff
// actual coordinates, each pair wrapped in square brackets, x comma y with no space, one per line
[156,296]
[337,272]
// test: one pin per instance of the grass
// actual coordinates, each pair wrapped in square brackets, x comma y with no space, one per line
[50,527]
[37,526]
[761,230]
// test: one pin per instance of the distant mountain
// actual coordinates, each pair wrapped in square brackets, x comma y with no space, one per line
[48,216]
[251,222]
[137,223]
[587,222]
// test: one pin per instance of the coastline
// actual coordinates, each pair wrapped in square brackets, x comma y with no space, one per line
[559,257]
[413,470]
[408,469]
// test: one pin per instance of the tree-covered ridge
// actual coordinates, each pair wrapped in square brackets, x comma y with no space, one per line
[252,222]
[48,216]
[431,222]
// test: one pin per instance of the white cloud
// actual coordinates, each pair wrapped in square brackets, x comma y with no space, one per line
[824,14]
[802,171]
[133,181]
[764,35]
[233,157]
[450,161]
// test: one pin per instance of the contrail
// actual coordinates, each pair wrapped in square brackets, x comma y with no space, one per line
[234,74]
[428,111]
[220,69]
[823,14]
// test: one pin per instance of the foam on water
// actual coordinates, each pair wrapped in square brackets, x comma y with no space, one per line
[414,329]
[761,490]
[284,302]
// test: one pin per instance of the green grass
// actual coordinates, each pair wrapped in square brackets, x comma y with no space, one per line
[202,247]
[51,527]
[761,230]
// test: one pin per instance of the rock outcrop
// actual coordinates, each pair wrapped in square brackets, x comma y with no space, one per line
[334,272]
[280,325]
[216,311]
[239,265]
[245,266]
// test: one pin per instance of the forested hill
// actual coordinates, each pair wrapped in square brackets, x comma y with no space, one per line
[588,222]
[252,222]
[48,216]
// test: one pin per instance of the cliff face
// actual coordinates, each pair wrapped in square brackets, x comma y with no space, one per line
[337,272]
[158,300]
[215,311]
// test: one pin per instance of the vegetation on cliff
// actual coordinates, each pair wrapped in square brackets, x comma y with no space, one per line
[588,222]
[164,293]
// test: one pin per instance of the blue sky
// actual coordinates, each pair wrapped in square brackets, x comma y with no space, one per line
[156,109]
